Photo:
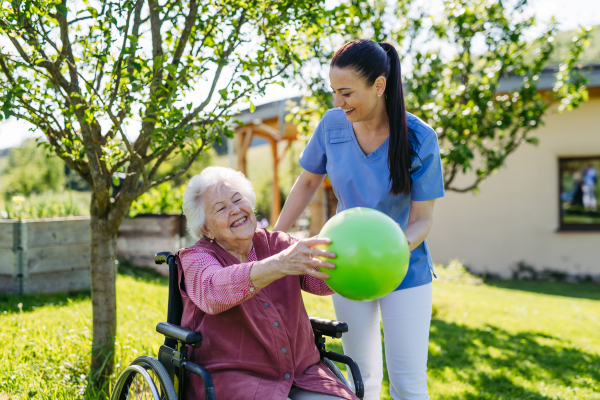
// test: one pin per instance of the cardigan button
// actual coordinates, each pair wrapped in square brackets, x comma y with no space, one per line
[283,350]
[287,376]
[266,304]
[276,324]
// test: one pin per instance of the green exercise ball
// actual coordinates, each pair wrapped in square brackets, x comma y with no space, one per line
[371,253]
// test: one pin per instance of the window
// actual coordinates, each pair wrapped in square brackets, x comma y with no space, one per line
[579,193]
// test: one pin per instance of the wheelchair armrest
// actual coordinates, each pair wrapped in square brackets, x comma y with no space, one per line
[180,334]
[328,327]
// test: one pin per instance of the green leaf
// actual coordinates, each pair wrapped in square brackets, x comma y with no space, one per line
[93,11]
[223,93]
[252,107]
[158,62]
[6,107]
[62,9]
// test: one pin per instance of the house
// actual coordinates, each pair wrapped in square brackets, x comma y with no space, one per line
[526,215]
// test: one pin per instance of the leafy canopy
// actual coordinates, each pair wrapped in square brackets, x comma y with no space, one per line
[87,73]
[454,64]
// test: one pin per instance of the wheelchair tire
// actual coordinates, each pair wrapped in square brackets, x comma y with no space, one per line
[144,378]
[336,371]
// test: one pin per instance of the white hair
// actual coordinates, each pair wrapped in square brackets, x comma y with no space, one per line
[193,203]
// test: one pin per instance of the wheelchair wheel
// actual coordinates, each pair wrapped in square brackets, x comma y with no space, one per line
[336,371]
[144,378]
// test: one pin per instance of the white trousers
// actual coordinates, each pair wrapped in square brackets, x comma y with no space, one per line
[406,316]
[589,196]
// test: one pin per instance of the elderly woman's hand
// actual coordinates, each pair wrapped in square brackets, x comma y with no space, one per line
[298,259]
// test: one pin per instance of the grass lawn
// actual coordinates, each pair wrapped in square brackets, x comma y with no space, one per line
[499,340]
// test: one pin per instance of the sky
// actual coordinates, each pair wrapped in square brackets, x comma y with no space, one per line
[569,14]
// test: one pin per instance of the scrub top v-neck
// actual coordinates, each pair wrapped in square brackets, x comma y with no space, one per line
[361,180]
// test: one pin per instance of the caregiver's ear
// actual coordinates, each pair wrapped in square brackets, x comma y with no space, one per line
[380,84]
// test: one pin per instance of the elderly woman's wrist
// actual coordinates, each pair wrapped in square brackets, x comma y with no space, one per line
[264,272]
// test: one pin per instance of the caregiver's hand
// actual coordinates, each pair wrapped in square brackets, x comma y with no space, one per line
[298,259]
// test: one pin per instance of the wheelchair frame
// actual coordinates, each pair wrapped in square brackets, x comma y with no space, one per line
[173,360]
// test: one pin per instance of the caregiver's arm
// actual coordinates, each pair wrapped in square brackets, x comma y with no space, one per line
[303,190]
[420,220]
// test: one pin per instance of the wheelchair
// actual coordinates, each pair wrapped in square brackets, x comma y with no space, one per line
[163,378]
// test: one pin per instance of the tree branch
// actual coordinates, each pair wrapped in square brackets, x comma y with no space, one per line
[67,51]
[185,34]
[117,66]
[6,71]
[182,170]
[217,75]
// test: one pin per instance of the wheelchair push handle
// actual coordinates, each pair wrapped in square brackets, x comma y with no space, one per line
[164,257]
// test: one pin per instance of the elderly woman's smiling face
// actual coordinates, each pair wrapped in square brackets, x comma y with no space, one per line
[229,216]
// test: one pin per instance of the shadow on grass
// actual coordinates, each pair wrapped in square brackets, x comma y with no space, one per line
[10,303]
[489,361]
[576,290]
[142,274]
[493,362]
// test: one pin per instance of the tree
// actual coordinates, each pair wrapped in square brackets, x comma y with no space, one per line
[81,71]
[458,59]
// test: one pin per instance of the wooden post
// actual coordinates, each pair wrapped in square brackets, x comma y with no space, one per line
[244,140]
[276,197]
[239,138]
[318,211]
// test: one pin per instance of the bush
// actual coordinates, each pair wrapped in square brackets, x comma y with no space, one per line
[263,206]
[456,272]
[174,165]
[47,205]
[31,169]
[163,199]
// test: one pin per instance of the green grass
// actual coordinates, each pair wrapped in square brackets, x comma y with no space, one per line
[498,340]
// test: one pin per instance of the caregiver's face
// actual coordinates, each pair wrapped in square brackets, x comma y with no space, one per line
[352,95]
[229,216]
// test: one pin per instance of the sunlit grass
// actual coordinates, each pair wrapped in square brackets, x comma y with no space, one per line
[499,340]
[45,345]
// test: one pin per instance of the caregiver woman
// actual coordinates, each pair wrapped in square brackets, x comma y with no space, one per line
[378,155]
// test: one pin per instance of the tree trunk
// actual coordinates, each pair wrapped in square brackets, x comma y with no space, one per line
[104,302]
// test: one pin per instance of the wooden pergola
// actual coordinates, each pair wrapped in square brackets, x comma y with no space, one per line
[267,122]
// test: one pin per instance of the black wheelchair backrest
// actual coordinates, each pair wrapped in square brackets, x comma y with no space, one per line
[175,307]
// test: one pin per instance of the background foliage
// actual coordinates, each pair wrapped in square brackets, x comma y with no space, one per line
[454,63]
[31,170]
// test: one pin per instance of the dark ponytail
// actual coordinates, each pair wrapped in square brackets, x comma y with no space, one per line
[370,60]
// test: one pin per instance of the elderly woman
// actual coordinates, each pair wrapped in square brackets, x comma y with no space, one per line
[241,289]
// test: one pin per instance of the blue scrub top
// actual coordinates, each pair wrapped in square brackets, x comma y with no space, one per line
[360,180]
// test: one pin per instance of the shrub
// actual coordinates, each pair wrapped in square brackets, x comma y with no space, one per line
[163,199]
[456,272]
[47,205]
[30,169]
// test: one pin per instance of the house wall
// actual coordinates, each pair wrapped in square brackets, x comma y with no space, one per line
[515,216]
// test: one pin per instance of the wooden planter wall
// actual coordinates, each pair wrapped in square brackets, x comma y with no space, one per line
[141,237]
[44,255]
[53,255]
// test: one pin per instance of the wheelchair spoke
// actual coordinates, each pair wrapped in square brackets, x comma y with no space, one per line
[145,378]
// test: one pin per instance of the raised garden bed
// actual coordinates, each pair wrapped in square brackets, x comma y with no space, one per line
[44,255]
